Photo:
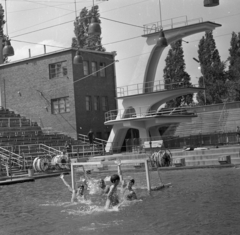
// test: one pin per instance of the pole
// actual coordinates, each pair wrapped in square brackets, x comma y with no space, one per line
[147,176]
[205,100]
[75,8]
[160,12]
[6,17]
[72,177]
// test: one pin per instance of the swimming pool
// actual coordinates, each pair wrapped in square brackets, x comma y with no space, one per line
[201,201]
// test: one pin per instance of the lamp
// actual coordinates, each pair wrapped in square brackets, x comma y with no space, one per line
[78,59]
[162,41]
[8,49]
[94,28]
[211,3]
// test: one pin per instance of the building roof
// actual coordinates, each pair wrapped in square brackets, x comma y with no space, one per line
[57,52]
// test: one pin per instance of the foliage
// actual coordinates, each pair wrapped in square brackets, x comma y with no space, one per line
[214,77]
[175,74]
[234,68]
[2,22]
[81,24]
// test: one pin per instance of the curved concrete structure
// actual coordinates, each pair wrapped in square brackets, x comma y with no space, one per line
[145,73]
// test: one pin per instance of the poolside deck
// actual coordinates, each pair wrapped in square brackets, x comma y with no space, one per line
[5,180]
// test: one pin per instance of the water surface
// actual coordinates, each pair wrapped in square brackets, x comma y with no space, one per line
[203,201]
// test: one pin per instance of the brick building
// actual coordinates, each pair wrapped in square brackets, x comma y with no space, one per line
[58,94]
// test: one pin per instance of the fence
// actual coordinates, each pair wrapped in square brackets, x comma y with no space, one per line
[200,140]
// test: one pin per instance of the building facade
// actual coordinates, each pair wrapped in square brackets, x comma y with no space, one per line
[69,98]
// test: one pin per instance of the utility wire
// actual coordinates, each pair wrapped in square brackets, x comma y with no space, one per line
[120,22]
[42,29]
[31,9]
[123,40]
[49,5]
[41,23]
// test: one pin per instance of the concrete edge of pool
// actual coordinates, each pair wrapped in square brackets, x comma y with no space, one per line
[25,178]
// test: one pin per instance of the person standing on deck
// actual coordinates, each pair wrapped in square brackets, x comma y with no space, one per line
[91,136]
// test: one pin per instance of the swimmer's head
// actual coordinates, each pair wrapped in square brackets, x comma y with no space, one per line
[101,183]
[81,187]
[114,178]
[131,183]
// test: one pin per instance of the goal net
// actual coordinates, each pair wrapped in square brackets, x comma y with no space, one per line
[144,175]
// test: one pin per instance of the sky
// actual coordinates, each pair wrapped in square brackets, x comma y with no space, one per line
[50,22]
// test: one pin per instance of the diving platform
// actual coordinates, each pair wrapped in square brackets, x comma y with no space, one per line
[142,99]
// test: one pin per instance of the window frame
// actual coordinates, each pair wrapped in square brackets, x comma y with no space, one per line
[96,103]
[85,67]
[62,105]
[105,103]
[58,69]
[102,69]
[88,103]
[94,73]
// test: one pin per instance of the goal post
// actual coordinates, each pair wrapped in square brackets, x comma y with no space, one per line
[99,167]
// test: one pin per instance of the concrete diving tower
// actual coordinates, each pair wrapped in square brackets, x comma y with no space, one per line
[144,95]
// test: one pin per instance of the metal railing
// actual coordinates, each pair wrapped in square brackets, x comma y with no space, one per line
[84,150]
[15,122]
[15,159]
[50,150]
[169,24]
[138,113]
[147,87]
[178,142]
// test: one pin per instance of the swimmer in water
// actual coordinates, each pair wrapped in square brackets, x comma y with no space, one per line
[77,194]
[112,197]
[127,191]
[102,185]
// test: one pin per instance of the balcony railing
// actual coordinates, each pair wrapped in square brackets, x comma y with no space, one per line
[147,87]
[169,24]
[137,113]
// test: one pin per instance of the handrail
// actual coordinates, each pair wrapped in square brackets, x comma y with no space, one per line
[86,140]
[83,138]
[50,150]
[138,113]
[156,26]
[12,121]
[155,86]
[15,158]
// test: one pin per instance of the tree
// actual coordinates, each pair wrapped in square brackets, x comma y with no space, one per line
[81,24]
[174,72]
[4,37]
[214,76]
[234,68]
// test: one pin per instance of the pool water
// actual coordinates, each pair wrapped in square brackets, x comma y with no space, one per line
[203,201]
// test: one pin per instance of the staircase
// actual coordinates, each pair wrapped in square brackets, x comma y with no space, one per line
[23,140]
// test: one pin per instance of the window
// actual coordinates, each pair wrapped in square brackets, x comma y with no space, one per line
[60,105]
[104,103]
[102,69]
[85,68]
[58,70]
[88,103]
[94,68]
[96,103]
